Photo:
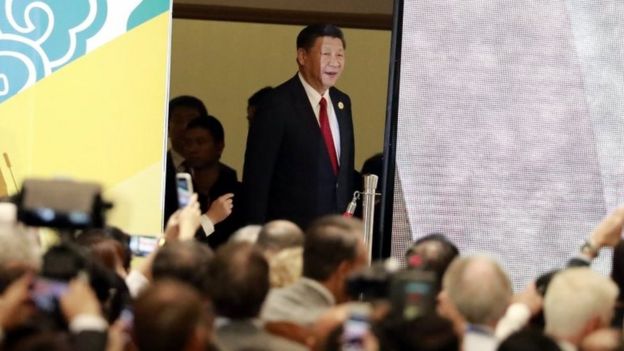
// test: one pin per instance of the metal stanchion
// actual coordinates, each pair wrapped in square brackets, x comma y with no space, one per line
[368,196]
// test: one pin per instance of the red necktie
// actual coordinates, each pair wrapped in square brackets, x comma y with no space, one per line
[327,135]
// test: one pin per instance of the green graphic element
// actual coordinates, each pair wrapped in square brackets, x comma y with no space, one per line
[147,10]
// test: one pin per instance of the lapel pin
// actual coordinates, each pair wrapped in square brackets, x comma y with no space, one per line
[340,105]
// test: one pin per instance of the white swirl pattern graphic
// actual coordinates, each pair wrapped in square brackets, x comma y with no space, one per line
[39,37]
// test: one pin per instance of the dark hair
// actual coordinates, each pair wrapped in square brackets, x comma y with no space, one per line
[188,101]
[211,124]
[436,259]
[239,277]
[429,332]
[186,261]
[166,315]
[308,35]
[328,242]
[256,98]
[105,244]
[528,339]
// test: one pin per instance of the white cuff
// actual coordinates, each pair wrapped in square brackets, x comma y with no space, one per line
[515,318]
[84,322]
[136,282]
[206,224]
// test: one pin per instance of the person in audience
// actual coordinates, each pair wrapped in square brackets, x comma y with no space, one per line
[212,180]
[605,339]
[182,110]
[248,234]
[578,302]
[239,278]
[480,291]
[433,252]
[182,226]
[299,157]
[285,267]
[278,235]
[106,250]
[171,316]
[428,332]
[255,101]
[333,249]
[281,241]
[185,261]
[528,340]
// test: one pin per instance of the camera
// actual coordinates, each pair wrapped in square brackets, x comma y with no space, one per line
[60,203]
[411,292]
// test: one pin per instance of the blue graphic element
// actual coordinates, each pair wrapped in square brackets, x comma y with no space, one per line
[147,10]
[38,37]
[20,65]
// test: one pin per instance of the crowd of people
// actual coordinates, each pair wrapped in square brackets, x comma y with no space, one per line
[277,287]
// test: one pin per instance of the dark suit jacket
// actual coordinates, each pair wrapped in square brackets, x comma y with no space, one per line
[287,172]
[227,182]
[171,192]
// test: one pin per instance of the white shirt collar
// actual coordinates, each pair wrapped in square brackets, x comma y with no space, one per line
[313,95]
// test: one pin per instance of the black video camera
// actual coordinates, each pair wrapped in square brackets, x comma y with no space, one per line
[410,292]
[63,204]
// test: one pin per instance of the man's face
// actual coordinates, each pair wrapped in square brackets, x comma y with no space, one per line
[322,64]
[179,119]
[200,148]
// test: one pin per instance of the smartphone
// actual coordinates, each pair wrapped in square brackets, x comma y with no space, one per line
[127,319]
[143,245]
[45,293]
[356,327]
[184,185]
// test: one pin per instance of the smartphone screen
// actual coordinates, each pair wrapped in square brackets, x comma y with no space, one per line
[45,292]
[356,327]
[143,245]
[185,188]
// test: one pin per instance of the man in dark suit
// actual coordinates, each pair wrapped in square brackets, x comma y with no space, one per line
[299,156]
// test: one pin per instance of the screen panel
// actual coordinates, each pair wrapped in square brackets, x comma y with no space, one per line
[510,127]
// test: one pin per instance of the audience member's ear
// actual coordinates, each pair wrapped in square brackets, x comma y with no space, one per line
[447,309]
[602,339]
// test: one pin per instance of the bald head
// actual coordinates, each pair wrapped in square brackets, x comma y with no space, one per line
[278,235]
[479,288]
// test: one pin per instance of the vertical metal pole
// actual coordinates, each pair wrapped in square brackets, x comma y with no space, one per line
[370,187]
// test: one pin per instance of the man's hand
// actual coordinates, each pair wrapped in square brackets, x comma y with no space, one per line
[184,222]
[79,299]
[608,232]
[531,298]
[189,219]
[220,208]
[14,307]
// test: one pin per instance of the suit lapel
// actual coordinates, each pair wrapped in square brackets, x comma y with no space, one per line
[303,107]
[339,108]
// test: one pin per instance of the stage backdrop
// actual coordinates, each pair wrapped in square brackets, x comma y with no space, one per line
[509,126]
[83,91]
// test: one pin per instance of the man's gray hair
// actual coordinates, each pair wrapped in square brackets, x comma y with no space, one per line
[576,296]
[479,288]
